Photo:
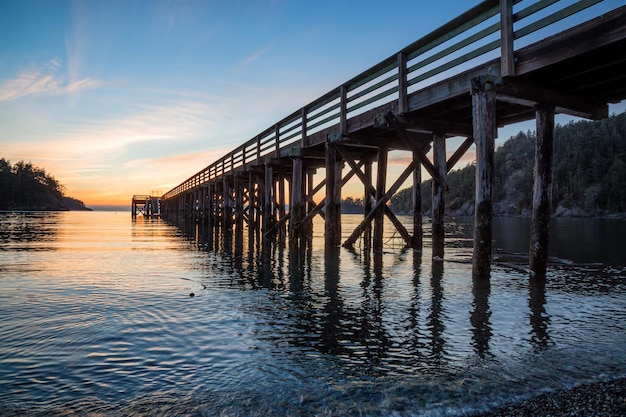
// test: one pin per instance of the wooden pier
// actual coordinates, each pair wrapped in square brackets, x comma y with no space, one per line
[499,63]
[148,206]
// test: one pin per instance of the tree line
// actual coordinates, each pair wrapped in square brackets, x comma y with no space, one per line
[589,174]
[24,186]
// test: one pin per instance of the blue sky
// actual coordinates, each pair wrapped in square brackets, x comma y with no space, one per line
[116,98]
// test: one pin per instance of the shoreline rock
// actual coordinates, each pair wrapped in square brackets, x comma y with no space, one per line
[599,399]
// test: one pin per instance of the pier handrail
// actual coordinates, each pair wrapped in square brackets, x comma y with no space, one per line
[485,32]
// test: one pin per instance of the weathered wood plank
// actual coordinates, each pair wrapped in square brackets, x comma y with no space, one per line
[507,61]
[296,207]
[371,192]
[418,232]
[268,188]
[367,202]
[484,120]
[402,133]
[458,154]
[586,37]
[403,99]
[384,199]
[542,190]
[381,184]
[519,92]
[439,196]
[332,225]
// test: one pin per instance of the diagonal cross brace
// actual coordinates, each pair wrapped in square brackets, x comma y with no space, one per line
[372,192]
[318,208]
[404,136]
[382,202]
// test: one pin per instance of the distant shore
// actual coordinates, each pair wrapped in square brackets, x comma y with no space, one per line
[39,209]
[601,399]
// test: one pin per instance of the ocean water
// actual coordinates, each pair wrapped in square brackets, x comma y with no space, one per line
[96,318]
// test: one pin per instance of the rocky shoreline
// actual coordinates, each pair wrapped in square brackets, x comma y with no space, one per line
[601,399]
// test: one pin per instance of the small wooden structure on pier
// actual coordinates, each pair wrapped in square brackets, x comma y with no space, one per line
[465,79]
[146,205]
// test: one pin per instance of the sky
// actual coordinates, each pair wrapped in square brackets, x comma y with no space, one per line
[115,98]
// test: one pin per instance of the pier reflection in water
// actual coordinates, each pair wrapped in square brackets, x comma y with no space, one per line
[96,318]
[395,310]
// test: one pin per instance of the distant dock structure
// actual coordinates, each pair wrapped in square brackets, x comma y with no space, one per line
[148,206]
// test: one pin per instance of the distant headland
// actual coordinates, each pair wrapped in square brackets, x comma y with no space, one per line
[24,187]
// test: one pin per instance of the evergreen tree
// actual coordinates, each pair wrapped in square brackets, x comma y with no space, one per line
[589,172]
[26,187]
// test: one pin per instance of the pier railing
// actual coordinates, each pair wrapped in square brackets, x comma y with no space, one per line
[486,32]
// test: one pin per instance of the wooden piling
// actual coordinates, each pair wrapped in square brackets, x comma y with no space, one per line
[267,198]
[253,201]
[238,203]
[367,204]
[381,184]
[484,127]
[542,190]
[418,232]
[282,204]
[332,235]
[296,207]
[227,215]
[439,196]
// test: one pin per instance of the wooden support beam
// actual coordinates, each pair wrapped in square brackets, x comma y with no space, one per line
[458,154]
[281,204]
[418,232]
[332,225]
[402,133]
[209,203]
[267,198]
[303,117]
[343,109]
[317,208]
[367,202]
[542,190]
[278,225]
[507,61]
[381,184]
[439,196]
[518,92]
[484,120]
[227,218]
[296,207]
[371,192]
[238,204]
[404,234]
[417,124]
[252,202]
[384,199]
[403,96]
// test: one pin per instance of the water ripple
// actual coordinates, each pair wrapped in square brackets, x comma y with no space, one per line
[96,319]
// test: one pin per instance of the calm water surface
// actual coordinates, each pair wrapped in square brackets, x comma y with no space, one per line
[96,318]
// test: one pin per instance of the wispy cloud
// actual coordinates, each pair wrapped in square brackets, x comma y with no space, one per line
[256,55]
[42,80]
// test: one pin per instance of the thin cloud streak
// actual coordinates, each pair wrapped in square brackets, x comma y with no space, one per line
[36,81]
[256,55]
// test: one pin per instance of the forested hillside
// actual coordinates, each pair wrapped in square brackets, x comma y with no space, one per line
[589,174]
[26,187]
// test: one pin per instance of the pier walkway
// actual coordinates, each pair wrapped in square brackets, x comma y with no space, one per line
[499,63]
